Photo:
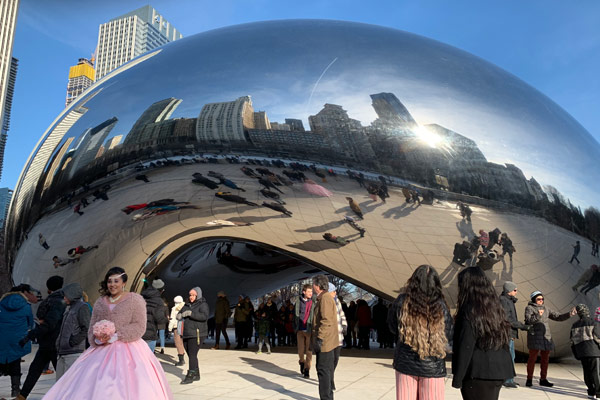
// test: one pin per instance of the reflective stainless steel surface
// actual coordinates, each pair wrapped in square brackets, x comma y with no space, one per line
[344,96]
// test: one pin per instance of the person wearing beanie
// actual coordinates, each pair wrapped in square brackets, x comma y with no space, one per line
[508,298]
[194,315]
[50,314]
[539,338]
[585,336]
[222,314]
[73,330]
[176,328]
[157,314]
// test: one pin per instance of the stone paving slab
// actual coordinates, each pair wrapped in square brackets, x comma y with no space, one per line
[361,375]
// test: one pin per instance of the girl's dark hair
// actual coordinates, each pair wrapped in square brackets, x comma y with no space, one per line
[113,271]
[422,323]
[479,303]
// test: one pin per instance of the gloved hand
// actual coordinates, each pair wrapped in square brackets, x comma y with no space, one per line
[186,313]
[317,346]
[24,341]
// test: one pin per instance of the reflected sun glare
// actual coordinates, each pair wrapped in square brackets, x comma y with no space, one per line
[429,138]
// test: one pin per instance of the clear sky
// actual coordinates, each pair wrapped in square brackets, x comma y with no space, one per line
[552,45]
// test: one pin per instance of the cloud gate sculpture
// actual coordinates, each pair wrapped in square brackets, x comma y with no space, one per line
[243,158]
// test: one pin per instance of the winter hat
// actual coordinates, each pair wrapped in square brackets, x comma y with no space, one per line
[221,293]
[73,291]
[509,286]
[198,291]
[582,310]
[332,287]
[178,299]
[597,317]
[158,284]
[535,294]
[54,283]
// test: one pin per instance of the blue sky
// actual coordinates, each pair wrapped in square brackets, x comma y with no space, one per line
[554,46]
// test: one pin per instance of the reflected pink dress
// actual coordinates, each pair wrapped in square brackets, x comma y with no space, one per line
[125,369]
[313,188]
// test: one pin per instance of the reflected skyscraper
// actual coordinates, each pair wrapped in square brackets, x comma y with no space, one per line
[392,112]
[156,113]
[88,145]
[130,35]
[225,122]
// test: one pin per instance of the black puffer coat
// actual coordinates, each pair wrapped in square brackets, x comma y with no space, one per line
[407,361]
[51,311]
[539,336]
[195,324]
[156,313]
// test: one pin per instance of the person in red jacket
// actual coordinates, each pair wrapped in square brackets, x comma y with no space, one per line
[364,322]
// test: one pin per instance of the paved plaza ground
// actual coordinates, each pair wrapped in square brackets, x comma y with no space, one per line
[361,374]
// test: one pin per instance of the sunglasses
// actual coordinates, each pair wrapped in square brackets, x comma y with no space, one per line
[539,299]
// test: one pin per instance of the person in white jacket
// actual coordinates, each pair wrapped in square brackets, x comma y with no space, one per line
[177,328]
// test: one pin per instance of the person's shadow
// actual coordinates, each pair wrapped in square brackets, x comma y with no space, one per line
[449,274]
[506,275]
[270,385]
[466,229]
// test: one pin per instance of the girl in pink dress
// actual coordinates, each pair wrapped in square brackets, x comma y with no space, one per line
[119,365]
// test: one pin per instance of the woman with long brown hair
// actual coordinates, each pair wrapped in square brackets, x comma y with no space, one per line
[422,321]
[481,361]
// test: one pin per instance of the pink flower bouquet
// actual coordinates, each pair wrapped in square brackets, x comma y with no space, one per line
[104,329]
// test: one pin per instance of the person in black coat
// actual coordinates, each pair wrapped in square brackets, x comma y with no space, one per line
[585,344]
[508,299]
[481,361]
[194,314]
[50,314]
[419,355]
[156,312]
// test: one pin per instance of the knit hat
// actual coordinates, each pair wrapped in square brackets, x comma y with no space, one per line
[198,292]
[332,287]
[509,286]
[582,310]
[73,291]
[597,317]
[178,299]
[221,293]
[535,294]
[158,284]
[54,283]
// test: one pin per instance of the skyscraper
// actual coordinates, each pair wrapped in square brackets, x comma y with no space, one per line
[81,77]
[8,67]
[5,196]
[130,35]
[157,112]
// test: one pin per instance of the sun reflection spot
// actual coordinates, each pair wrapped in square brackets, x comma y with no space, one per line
[429,138]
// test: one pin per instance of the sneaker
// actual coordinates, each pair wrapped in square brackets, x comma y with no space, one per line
[510,385]
[269,352]
[259,352]
[544,382]
[227,346]
[47,372]
[215,347]
[529,382]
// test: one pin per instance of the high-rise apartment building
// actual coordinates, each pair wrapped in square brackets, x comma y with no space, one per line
[130,35]
[8,67]
[225,122]
[5,196]
[81,77]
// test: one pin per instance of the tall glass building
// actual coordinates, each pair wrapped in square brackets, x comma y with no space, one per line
[130,35]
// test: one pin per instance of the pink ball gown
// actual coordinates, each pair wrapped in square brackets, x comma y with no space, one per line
[313,188]
[125,369]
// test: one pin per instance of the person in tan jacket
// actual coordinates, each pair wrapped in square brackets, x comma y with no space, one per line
[325,335]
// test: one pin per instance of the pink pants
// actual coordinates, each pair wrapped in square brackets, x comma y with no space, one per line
[409,387]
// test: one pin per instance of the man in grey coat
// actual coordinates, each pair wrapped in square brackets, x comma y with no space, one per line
[508,299]
[73,331]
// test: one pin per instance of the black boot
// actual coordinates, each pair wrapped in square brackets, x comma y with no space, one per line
[197,374]
[301,366]
[189,378]
[529,382]
[181,361]
[15,385]
[544,382]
